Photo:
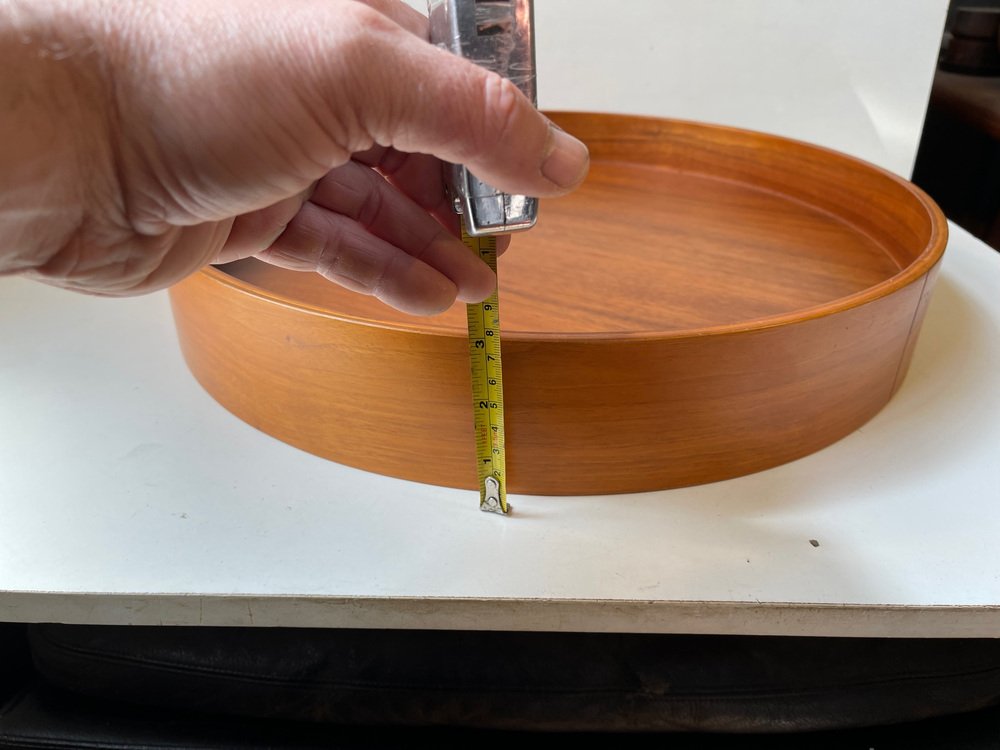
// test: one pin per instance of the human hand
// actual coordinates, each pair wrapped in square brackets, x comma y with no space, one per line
[144,139]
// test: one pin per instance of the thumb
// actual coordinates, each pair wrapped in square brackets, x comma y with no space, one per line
[418,98]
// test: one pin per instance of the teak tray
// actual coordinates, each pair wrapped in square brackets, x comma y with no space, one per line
[712,302]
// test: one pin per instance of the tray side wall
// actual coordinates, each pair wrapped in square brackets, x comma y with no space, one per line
[648,415]
[376,399]
[585,417]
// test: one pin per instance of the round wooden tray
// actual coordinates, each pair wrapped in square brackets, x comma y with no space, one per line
[712,302]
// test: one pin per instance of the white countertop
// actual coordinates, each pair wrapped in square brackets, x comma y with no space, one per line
[127,495]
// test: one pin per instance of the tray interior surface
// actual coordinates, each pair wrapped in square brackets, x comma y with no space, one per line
[645,248]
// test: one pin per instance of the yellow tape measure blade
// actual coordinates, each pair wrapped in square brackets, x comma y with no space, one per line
[487,387]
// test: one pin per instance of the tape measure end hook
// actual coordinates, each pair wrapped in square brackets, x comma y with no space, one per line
[491,502]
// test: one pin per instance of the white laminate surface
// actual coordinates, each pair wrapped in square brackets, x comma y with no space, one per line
[127,495]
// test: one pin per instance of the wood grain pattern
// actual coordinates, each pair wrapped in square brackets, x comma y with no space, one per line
[711,303]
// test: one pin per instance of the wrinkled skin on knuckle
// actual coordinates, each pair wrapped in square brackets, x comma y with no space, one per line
[503,109]
[356,73]
[489,115]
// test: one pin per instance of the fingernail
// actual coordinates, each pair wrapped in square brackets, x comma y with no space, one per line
[568,159]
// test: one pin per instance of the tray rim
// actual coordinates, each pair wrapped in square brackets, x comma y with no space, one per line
[914,271]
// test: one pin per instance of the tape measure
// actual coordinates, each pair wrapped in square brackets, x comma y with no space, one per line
[487,386]
[498,35]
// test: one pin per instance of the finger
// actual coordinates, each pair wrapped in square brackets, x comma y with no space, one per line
[343,251]
[255,231]
[419,176]
[359,193]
